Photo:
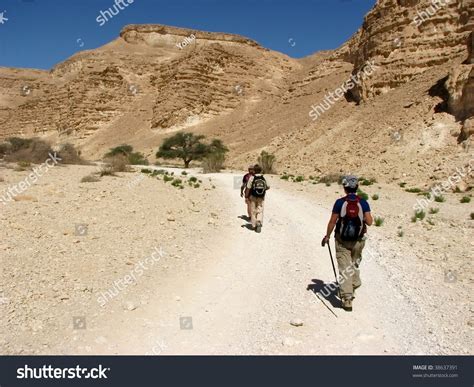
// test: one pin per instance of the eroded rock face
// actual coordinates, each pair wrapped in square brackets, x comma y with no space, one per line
[146,84]
[406,38]
[460,87]
[156,34]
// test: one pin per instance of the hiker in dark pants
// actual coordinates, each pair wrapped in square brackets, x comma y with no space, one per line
[245,180]
[256,189]
[350,216]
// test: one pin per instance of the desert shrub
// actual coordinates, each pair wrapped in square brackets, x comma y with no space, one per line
[433,210]
[4,148]
[161,172]
[472,215]
[213,162]
[375,197]
[439,198]
[193,179]
[33,150]
[284,177]
[418,215]
[331,178]
[126,151]
[400,233]
[184,173]
[137,158]
[299,179]
[90,179]
[146,171]
[402,184]
[465,199]
[123,149]
[106,170]
[367,181]
[413,190]
[328,184]
[24,164]
[266,161]
[197,185]
[176,182]
[70,155]
[378,221]
[167,178]
[113,164]
[17,143]
[362,194]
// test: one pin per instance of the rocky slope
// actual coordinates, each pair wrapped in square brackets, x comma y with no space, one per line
[154,80]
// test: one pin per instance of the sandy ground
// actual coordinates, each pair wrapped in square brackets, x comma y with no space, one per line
[217,287]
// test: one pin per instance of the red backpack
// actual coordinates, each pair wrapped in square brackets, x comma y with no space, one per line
[352,219]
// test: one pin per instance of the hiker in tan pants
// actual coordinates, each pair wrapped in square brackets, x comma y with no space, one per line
[255,193]
[245,180]
[256,210]
[350,217]
[349,256]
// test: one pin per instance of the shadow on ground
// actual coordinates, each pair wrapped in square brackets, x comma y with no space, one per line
[329,291]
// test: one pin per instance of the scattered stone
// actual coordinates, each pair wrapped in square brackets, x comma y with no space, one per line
[297,322]
[130,305]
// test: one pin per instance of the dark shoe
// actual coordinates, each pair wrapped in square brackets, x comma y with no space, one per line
[259,227]
[347,304]
[354,290]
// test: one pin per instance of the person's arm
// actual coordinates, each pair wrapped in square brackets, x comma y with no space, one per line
[330,228]
[242,189]
[368,220]
[248,187]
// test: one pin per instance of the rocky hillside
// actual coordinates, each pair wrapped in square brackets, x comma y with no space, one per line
[154,80]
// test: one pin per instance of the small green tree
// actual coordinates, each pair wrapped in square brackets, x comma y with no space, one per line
[185,146]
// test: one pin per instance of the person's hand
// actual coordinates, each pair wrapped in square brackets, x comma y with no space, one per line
[324,241]
[241,194]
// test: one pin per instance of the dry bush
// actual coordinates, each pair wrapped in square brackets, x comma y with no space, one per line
[213,163]
[113,164]
[32,150]
[70,155]
[90,179]
[331,178]
[266,161]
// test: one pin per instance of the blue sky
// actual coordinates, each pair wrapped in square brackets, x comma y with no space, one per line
[42,33]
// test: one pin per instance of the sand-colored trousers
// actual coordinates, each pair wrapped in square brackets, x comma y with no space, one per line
[349,256]
[249,208]
[256,210]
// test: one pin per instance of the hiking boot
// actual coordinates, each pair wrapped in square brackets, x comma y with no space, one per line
[347,304]
[258,228]
[354,290]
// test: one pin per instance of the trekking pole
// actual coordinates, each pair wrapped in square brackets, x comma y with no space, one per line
[334,270]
